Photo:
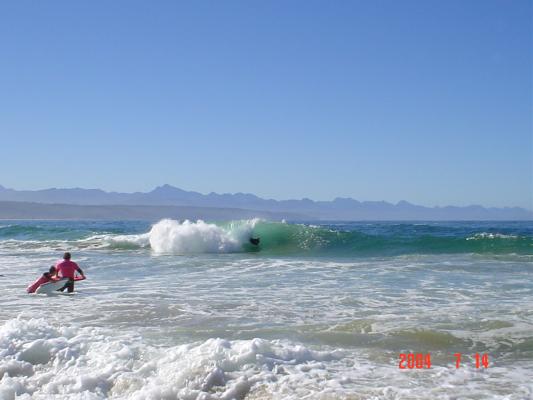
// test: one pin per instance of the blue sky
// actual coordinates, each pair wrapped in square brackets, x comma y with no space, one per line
[428,101]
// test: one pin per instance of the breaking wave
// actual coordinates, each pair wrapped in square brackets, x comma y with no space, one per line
[187,237]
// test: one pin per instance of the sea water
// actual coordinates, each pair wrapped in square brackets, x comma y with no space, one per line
[192,310]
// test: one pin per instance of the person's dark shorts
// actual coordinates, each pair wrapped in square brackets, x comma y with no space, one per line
[69,286]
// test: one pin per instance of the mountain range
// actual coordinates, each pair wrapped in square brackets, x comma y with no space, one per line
[337,209]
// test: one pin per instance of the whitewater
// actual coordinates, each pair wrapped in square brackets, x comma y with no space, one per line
[193,310]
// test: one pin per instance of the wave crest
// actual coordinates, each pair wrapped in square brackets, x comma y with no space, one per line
[488,235]
[174,237]
[188,237]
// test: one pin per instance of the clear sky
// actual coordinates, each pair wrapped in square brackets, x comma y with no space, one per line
[427,101]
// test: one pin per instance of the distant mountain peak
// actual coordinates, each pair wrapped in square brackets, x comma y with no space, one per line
[166,188]
[345,200]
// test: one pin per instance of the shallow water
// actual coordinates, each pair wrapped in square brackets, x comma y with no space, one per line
[193,311]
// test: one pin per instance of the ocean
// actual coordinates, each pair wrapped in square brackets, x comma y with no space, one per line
[344,310]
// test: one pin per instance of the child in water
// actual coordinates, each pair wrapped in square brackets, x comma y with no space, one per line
[46,277]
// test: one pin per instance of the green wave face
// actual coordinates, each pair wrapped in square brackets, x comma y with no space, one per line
[405,239]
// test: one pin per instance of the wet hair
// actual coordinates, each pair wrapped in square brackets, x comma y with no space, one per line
[52,270]
[66,256]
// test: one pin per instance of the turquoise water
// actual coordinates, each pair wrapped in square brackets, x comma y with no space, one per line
[193,310]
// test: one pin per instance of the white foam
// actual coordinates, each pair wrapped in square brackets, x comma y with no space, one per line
[41,361]
[488,235]
[118,241]
[174,237]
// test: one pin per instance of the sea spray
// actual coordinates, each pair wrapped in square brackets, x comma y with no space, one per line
[174,237]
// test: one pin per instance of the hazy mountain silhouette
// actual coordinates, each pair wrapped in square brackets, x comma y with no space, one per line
[338,209]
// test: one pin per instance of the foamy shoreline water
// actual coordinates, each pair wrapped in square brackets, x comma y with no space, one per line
[268,325]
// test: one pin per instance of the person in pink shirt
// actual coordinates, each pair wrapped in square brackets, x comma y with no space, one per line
[68,269]
[44,278]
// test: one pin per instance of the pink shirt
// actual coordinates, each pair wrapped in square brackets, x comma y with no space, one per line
[66,268]
[33,287]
